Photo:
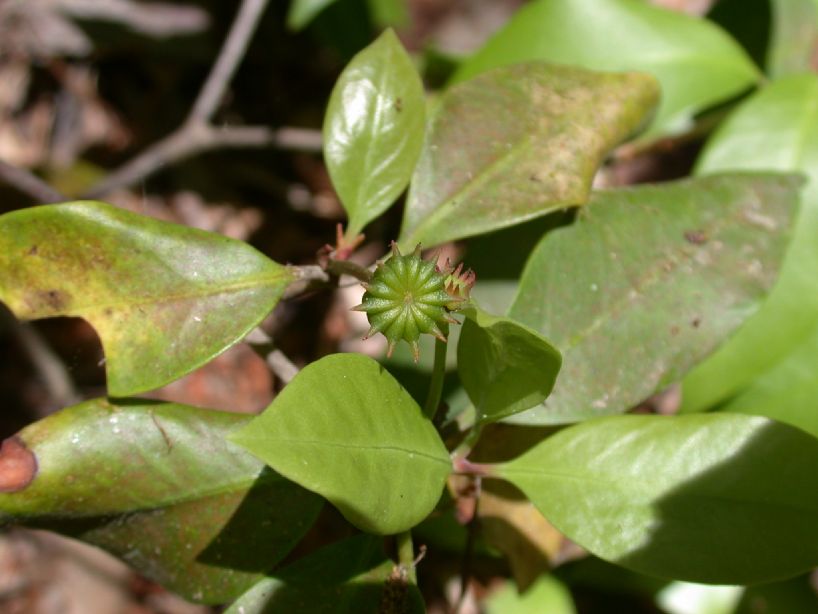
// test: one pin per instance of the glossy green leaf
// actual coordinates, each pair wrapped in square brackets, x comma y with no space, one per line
[373,129]
[158,485]
[302,12]
[648,281]
[775,129]
[794,39]
[716,498]
[505,367]
[547,594]
[516,143]
[696,63]
[788,392]
[348,577]
[346,429]
[164,299]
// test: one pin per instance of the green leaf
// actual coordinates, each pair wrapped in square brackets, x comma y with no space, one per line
[794,38]
[505,367]
[164,299]
[347,430]
[787,392]
[302,12]
[775,129]
[648,281]
[717,498]
[158,485]
[348,577]
[696,63]
[373,129]
[516,143]
[547,594]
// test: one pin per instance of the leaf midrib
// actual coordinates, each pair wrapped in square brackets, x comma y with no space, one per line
[162,503]
[444,459]
[267,280]
[629,483]
[487,172]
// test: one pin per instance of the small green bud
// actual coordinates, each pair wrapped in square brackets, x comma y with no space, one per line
[409,296]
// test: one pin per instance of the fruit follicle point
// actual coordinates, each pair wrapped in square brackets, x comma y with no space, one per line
[407,297]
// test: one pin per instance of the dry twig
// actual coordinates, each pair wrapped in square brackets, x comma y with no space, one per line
[281,366]
[197,134]
[28,183]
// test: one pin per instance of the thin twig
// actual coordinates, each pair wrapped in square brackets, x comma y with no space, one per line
[230,55]
[436,384]
[347,267]
[196,134]
[53,373]
[307,277]
[281,366]
[406,554]
[195,138]
[28,183]
[468,552]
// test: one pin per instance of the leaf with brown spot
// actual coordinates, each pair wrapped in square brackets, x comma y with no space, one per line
[775,129]
[516,143]
[696,63]
[18,465]
[164,299]
[632,303]
[158,485]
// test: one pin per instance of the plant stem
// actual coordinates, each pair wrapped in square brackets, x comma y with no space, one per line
[465,447]
[468,552]
[345,267]
[406,554]
[281,366]
[436,385]
[466,467]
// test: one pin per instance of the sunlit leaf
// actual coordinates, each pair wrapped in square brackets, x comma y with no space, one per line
[715,498]
[696,63]
[505,367]
[158,485]
[794,39]
[373,129]
[788,392]
[346,429]
[775,129]
[546,595]
[648,281]
[164,299]
[516,143]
